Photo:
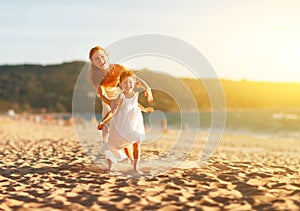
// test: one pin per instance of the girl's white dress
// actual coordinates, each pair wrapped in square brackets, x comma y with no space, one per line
[126,126]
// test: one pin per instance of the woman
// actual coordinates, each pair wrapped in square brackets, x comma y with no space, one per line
[105,78]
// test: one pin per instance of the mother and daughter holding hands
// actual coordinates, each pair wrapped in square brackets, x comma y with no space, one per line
[122,126]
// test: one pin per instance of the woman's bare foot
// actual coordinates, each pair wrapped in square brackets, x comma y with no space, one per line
[107,170]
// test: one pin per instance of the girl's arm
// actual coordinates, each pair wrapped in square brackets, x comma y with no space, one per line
[146,110]
[115,104]
[141,83]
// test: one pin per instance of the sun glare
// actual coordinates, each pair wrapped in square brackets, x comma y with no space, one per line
[289,51]
[267,54]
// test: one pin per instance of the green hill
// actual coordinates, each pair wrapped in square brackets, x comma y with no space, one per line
[33,87]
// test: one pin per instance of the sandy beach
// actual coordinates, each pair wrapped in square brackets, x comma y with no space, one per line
[44,167]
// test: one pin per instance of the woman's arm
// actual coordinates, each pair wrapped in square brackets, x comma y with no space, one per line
[103,97]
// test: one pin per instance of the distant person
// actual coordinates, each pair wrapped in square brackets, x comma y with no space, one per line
[11,113]
[104,77]
[164,125]
[127,125]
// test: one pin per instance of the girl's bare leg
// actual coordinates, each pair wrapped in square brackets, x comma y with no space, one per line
[128,153]
[136,155]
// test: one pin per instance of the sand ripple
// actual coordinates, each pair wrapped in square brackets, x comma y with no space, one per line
[44,167]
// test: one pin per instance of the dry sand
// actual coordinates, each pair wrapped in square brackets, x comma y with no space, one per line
[43,167]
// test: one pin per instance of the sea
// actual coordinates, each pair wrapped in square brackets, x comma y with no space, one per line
[274,123]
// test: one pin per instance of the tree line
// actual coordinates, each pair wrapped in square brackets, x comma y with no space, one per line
[35,87]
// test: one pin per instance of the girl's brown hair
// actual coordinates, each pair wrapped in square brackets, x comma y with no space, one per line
[124,75]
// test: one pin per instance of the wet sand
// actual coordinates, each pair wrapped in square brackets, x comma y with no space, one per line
[44,167]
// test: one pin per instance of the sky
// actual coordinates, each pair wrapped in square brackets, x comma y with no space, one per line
[253,40]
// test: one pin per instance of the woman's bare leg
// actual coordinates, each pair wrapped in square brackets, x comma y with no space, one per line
[109,164]
[136,155]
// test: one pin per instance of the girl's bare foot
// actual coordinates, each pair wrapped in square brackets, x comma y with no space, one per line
[136,172]
[109,162]
[100,126]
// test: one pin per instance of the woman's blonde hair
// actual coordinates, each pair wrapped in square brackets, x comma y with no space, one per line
[95,49]
[95,77]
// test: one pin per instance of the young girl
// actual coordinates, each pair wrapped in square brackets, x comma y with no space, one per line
[127,127]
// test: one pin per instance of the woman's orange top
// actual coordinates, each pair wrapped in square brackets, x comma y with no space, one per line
[110,81]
